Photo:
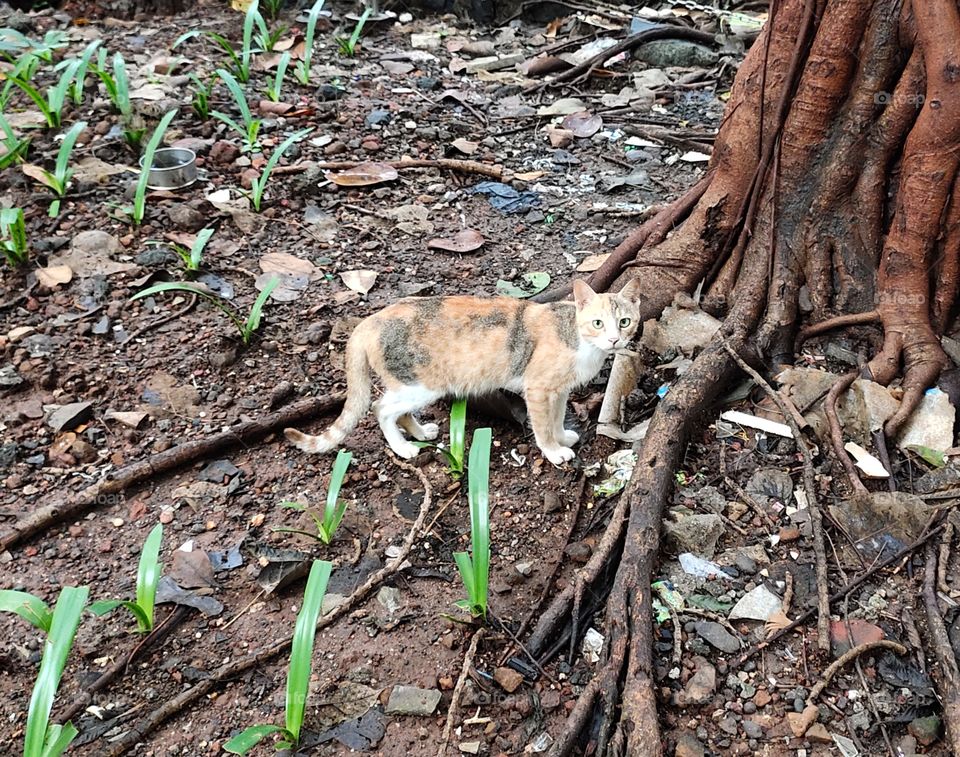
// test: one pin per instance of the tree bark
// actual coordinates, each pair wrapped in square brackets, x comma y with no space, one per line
[836,172]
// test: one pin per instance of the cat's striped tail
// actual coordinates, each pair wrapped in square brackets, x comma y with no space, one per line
[359,390]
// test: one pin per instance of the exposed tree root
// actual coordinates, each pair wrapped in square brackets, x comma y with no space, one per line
[851,654]
[449,164]
[836,433]
[946,671]
[837,322]
[59,509]
[236,668]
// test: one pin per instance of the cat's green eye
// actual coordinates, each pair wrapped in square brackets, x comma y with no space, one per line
[598,324]
[624,322]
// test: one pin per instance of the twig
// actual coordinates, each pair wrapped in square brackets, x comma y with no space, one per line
[584,69]
[62,508]
[836,434]
[840,594]
[450,164]
[846,657]
[945,671]
[751,502]
[191,304]
[457,691]
[119,668]
[944,560]
[233,670]
[813,506]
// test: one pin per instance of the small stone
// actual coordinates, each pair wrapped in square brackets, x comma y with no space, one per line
[689,746]
[75,531]
[508,679]
[410,700]
[925,730]
[752,729]
[717,636]
[758,604]
[818,733]
[166,516]
[559,137]
[551,502]
[390,598]
[70,416]
[800,722]
[224,152]
[702,683]
[469,747]
[116,522]
[578,551]
[694,533]
[378,116]
[762,699]
[182,216]
[789,533]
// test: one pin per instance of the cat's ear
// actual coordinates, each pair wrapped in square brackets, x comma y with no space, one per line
[582,293]
[631,292]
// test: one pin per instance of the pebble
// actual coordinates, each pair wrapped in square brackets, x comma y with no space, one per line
[551,502]
[508,679]
[717,636]
[410,700]
[578,551]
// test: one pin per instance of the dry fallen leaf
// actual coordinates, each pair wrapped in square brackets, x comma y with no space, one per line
[54,275]
[361,281]
[776,622]
[467,240]
[592,262]
[37,174]
[364,175]
[282,262]
[583,124]
[465,146]
[529,175]
[270,108]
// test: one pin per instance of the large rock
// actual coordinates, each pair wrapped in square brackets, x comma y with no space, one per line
[664,53]
[694,533]
[683,328]
[931,424]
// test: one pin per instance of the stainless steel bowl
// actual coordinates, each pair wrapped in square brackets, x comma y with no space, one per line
[173,168]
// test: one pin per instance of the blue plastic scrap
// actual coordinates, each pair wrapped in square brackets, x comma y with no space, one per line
[505,198]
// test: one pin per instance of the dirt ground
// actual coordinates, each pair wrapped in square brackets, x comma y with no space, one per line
[189,377]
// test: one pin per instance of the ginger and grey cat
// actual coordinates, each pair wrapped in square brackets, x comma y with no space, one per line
[426,348]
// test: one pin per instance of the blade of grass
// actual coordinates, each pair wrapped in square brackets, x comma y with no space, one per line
[174,286]
[478,494]
[238,96]
[465,566]
[340,466]
[196,249]
[28,606]
[63,172]
[56,648]
[139,198]
[301,652]
[247,739]
[148,574]
[458,433]
[253,320]
[260,183]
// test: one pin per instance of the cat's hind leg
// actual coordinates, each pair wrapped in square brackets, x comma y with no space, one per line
[396,403]
[426,432]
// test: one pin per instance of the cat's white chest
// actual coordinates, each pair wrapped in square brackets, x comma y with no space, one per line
[589,362]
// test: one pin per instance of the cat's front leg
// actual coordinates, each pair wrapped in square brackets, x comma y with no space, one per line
[542,406]
[558,409]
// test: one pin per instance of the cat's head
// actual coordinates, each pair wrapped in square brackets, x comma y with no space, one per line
[607,321]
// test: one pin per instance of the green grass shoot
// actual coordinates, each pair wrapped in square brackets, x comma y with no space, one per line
[51,103]
[240,60]
[148,576]
[138,212]
[44,739]
[12,148]
[13,237]
[348,45]
[79,83]
[250,126]
[298,674]
[334,508]
[201,96]
[247,328]
[28,606]
[275,89]
[259,184]
[455,454]
[58,180]
[302,69]
[475,571]
[116,84]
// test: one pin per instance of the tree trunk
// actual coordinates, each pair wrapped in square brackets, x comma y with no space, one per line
[835,170]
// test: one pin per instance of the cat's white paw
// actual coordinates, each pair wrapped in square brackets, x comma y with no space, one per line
[406,450]
[559,455]
[430,431]
[569,438]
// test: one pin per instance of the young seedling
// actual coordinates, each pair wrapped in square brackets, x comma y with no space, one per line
[148,575]
[247,328]
[139,209]
[13,237]
[302,69]
[201,96]
[250,128]
[116,84]
[348,46]
[51,104]
[298,675]
[43,738]
[24,69]
[194,256]
[75,90]
[275,89]
[259,184]
[12,148]
[333,510]
[13,43]
[273,8]
[266,39]
[28,606]
[58,181]
[454,455]
[475,572]
[241,60]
